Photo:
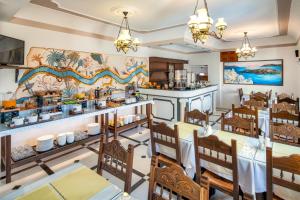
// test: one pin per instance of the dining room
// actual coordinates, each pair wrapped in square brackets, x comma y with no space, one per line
[157,100]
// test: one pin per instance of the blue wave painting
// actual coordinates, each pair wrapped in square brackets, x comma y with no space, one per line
[88,81]
[254,72]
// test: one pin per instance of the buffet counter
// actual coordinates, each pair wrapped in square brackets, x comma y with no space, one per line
[29,135]
[170,105]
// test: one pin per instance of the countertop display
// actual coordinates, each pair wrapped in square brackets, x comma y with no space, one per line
[88,112]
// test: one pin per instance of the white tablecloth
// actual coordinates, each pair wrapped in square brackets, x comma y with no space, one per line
[251,160]
[245,158]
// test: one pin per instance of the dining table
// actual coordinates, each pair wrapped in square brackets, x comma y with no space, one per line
[76,182]
[251,157]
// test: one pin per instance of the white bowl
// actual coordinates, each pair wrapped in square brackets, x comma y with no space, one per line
[93,128]
[45,116]
[61,139]
[70,137]
[18,121]
[32,118]
[44,143]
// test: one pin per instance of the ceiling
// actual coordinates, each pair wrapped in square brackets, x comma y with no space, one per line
[259,18]
[162,24]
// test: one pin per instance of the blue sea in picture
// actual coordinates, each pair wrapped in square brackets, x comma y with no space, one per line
[258,75]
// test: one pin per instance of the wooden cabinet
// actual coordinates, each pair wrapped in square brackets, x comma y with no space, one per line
[159,68]
[229,56]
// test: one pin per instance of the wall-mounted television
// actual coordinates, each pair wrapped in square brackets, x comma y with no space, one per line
[11,51]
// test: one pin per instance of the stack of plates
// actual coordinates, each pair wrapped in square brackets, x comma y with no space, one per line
[93,129]
[44,143]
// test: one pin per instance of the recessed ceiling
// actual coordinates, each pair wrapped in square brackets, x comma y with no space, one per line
[184,48]
[259,18]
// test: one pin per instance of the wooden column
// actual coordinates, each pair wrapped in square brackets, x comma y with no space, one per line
[106,124]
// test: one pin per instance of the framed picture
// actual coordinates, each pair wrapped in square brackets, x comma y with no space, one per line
[260,72]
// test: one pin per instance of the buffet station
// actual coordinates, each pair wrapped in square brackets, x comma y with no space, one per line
[44,124]
[183,92]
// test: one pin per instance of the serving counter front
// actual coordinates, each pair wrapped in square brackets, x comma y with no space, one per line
[11,137]
[170,105]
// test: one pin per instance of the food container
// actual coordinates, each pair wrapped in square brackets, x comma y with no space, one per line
[126,120]
[93,129]
[101,103]
[61,139]
[32,119]
[70,137]
[128,100]
[77,108]
[9,101]
[18,121]
[44,143]
[44,116]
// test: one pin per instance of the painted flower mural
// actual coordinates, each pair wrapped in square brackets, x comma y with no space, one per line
[67,70]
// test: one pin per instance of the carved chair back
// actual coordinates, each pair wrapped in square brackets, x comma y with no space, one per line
[259,96]
[161,134]
[286,165]
[290,101]
[116,160]
[253,104]
[284,113]
[249,114]
[171,181]
[238,125]
[196,117]
[211,149]
[285,133]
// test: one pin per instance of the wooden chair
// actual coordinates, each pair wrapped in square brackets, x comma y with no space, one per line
[253,104]
[116,160]
[249,114]
[289,100]
[212,150]
[170,182]
[285,133]
[238,125]
[284,113]
[261,97]
[161,134]
[196,117]
[289,164]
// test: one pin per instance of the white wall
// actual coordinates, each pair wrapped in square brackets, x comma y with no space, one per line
[35,37]
[228,93]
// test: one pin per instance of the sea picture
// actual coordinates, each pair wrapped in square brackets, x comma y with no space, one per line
[266,72]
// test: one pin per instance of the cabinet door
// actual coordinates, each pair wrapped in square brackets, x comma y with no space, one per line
[207,103]
[179,66]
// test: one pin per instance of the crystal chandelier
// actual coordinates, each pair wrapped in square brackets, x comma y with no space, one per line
[200,23]
[246,50]
[125,41]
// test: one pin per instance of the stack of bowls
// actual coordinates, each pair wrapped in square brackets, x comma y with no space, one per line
[93,128]
[44,143]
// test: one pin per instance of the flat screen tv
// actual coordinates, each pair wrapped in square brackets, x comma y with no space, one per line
[11,51]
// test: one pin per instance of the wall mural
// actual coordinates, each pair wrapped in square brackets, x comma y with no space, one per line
[262,72]
[69,71]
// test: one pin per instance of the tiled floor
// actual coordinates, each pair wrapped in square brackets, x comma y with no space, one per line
[87,155]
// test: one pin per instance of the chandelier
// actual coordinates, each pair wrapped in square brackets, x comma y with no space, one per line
[246,50]
[125,41]
[200,23]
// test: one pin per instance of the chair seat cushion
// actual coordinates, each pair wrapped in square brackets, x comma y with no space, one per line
[218,182]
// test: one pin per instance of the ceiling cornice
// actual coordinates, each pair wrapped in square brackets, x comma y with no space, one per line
[56,28]
[52,5]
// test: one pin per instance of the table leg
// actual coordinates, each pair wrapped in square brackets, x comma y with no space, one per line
[8,158]
[2,154]
[106,123]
